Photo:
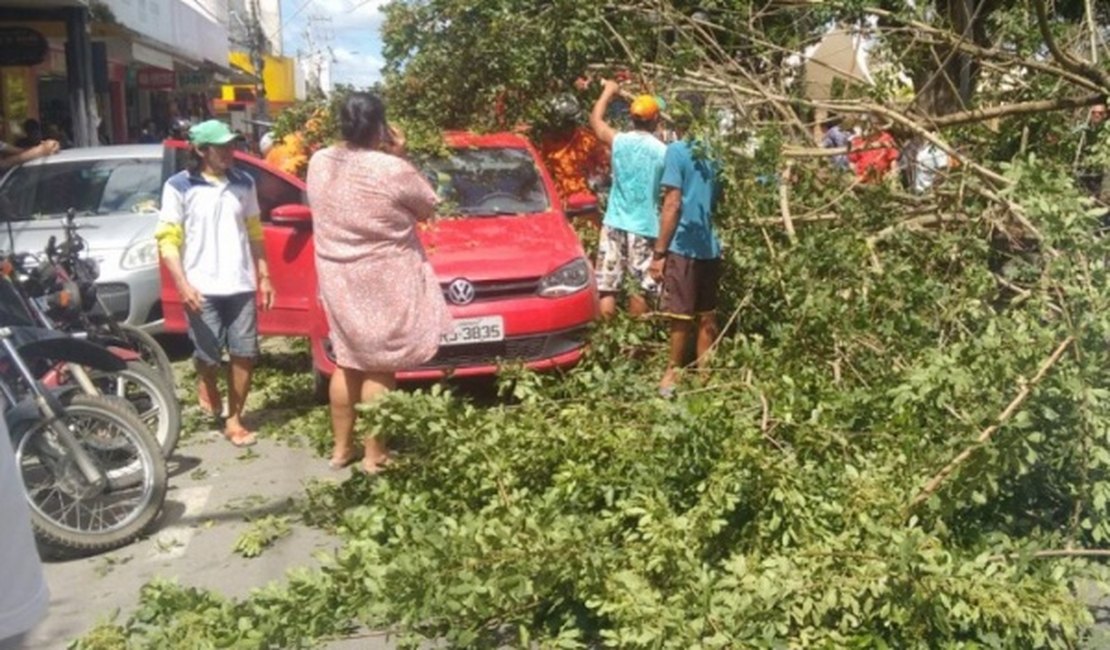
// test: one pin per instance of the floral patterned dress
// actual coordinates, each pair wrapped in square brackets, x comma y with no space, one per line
[384,305]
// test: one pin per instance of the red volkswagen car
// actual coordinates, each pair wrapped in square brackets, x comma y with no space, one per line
[511,267]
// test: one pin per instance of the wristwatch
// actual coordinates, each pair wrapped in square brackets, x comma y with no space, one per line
[658,255]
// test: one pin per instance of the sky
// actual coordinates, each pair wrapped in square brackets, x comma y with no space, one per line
[353,28]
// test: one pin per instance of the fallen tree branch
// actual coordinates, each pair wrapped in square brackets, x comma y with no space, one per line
[1081,68]
[1065,552]
[986,434]
[784,203]
[810,218]
[1010,110]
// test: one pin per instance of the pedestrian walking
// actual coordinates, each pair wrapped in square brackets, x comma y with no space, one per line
[686,256]
[210,237]
[631,221]
[384,305]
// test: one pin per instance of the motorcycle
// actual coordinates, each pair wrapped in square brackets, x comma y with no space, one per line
[93,316]
[55,300]
[93,475]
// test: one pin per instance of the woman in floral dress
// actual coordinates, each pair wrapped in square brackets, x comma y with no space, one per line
[383,302]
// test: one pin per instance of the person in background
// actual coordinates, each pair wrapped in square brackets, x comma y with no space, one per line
[577,160]
[32,134]
[873,152]
[211,240]
[686,257]
[24,598]
[265,144]
[834,137]
[383,303]
[11,156]
[149,134]
[631,221]
[1091,174]
[1096,117]
[923,164]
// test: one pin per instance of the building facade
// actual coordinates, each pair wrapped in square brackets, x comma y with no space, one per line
[111,66]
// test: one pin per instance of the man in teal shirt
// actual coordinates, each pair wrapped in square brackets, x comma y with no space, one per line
[686,257]
[632,215]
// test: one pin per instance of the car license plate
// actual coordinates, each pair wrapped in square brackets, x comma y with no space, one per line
[475,330]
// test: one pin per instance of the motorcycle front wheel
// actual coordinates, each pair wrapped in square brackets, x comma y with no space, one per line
[154,402]
[67,512]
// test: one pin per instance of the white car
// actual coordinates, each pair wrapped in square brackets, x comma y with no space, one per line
[116,192]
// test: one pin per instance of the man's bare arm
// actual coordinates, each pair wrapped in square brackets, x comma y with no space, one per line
[601,128]
[44,148]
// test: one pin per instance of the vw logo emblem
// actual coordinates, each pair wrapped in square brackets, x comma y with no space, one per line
[460,292]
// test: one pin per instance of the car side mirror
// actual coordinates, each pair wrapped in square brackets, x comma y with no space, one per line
[580,204]
[292,214]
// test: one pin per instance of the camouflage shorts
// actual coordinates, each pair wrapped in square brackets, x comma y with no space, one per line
[622,262]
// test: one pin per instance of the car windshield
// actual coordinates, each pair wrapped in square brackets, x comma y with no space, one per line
[91,187]
[488,182]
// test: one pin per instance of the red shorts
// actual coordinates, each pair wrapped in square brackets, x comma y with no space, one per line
[690,286]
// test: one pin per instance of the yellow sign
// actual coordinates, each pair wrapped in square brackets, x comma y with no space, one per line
[278,76]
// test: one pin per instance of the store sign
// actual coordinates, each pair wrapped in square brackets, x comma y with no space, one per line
[194,80]
[21,46]
[156,79]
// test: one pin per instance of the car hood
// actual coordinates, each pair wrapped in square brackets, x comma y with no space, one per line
[488,248]
[103,233]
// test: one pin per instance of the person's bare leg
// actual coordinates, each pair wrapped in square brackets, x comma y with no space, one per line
[238,386]
[637,306]
[680,338]
[707,335]
[343,394]
[374,385]
[608,306]
[208,388]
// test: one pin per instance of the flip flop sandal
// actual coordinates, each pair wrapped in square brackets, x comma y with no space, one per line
[241,438]
[379,467]
[337,465]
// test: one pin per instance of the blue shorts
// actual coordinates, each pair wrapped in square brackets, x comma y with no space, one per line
[224,322]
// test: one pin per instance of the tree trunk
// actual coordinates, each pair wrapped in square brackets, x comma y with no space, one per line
[945,82]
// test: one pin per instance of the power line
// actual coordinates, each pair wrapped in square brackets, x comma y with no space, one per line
[285,23]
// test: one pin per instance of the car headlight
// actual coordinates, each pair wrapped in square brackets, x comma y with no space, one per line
[140,255]
[565,280]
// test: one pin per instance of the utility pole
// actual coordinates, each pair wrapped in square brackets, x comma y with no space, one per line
[259,48]
[253,39]
[314,53]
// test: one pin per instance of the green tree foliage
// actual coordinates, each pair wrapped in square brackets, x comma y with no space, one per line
[903,440]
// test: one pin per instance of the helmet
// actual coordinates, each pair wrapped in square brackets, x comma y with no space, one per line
[266,142]
[179,130]
[564,109]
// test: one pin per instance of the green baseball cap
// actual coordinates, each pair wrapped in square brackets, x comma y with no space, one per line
[211,132]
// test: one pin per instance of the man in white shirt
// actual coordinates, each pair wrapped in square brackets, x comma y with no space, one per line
[210,237]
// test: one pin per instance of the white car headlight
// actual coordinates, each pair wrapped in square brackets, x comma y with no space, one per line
[140,255]
[565,280]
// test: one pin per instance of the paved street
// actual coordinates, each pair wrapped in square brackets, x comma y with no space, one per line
[214,490]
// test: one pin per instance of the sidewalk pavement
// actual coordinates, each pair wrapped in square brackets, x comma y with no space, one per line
[215,489]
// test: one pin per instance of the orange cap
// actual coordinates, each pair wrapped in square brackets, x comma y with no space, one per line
[644,107]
